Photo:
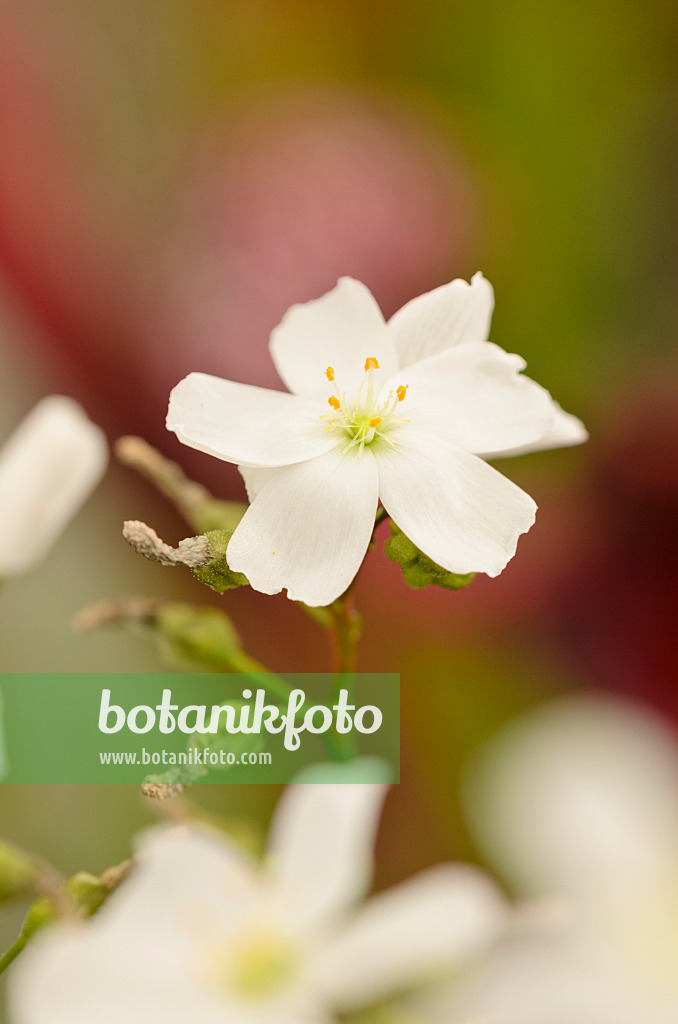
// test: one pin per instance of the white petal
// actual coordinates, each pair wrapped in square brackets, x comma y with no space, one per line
[243,424]
[340,330]
[321,843]
[255,477]
[84,974]
[540,980]
[581,798]
[455,313]
[434,923]
[179,867]
[458,510]
[48,468]
[308,528]
[475,395]
[563,431]
[139,960]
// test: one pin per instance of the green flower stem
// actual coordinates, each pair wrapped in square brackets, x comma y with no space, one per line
[239,661]
[381,515]
[13,952]
[346,628]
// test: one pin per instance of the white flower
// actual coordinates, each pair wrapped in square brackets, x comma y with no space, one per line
[404,411]
[580,800]
[201,933]
[48,468]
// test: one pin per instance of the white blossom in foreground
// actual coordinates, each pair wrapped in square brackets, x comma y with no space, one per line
[48,468]
[405,411]
[202,933]
[580,801]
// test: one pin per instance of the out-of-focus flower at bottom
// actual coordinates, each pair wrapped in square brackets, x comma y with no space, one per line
[48,468]
[203,933]
[580,800]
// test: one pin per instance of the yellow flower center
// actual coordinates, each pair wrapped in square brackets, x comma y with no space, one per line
[365,418]
[259,964]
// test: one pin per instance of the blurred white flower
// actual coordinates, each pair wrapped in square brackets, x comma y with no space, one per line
[405,411]
[48,468]
[580,800]
[202,933]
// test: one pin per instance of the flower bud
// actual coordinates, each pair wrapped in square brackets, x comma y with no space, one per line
[418,569]
[40,913]
[87,892]
[191,636]
[17,872]
[216,572]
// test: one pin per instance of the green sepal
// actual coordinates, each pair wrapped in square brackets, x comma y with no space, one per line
[40,913]
[87,892]
[193,637]
[216,573]
[17,872]
[418,569]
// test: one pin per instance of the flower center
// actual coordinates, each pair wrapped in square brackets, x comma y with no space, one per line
[258,964]
[368,416]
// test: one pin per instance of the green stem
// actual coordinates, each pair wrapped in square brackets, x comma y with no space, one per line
[13,952]
[239,661]
[245,665]
[381,515]
[346,626]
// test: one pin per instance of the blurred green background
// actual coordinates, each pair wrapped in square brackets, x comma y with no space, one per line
[173,175]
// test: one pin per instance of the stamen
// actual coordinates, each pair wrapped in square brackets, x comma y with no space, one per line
[371,364]
[376,421]
[401,391]
[334,402]
[329,373]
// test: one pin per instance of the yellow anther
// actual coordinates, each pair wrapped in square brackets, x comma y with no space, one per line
[371,364]
[329,373]
[334,402]
[376,421]
[400,392]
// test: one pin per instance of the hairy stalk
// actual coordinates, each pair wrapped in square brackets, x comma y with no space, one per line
[167,476]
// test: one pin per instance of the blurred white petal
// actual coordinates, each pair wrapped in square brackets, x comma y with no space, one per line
[82,975]
[183,867]
[48,468]
[581,798]
[321,844]
[136,960]
[539,980]
[435,923]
